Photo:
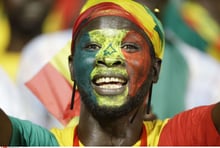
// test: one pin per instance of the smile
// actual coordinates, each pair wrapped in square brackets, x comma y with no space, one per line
[109,85]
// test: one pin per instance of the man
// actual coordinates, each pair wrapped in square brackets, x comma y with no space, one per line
[117,48]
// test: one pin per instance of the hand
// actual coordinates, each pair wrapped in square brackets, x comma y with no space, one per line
[5,128]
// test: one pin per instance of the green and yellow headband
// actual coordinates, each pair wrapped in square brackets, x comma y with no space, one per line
[129,9]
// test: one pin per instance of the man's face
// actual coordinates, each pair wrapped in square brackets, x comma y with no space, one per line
[111,64]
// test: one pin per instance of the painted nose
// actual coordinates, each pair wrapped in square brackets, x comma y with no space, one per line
[110,62]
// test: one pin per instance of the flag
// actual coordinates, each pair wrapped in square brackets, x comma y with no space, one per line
[53,87]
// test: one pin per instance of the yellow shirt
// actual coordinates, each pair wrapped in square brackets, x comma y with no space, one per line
[65,137]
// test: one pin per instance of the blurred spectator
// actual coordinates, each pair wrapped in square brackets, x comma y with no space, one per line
[37,53]
[62,15]
[193,26]
[22,20]
[192,52]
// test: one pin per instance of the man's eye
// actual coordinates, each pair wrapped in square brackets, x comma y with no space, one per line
[130,47]
[92,46]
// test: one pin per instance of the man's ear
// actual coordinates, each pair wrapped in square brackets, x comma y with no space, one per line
[156,69]
[70,60]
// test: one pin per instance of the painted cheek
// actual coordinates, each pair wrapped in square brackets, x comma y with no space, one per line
[83,67]
[138,69]
[83,62]
[138,64]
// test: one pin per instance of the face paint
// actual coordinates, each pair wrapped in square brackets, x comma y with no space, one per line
[138,62]
[111,66]
[109,76]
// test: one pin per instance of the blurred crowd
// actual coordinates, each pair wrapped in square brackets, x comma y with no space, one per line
[24,50]
[190,72]
[34,31]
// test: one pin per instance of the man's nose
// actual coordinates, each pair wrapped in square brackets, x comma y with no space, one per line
[110,62]
[110,56]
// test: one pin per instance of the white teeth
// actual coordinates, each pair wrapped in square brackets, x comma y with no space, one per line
[109,79]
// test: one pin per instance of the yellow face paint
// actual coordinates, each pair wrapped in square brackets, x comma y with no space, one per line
[109,53]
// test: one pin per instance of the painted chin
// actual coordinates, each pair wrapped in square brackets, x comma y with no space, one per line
[110,85]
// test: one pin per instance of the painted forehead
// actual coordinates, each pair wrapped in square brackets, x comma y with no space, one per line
[112,22]
[107,34]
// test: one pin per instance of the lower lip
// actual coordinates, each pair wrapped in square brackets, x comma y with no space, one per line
[109,92]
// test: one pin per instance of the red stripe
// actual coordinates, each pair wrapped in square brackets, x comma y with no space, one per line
[144,136]
[75,137]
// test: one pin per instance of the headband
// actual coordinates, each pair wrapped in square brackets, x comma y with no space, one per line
[129,9]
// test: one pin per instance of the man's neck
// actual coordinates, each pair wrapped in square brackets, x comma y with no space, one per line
[124,131]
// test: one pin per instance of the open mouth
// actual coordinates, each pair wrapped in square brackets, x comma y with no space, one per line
[109,85]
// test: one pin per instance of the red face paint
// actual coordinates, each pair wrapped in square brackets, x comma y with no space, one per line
[137,63]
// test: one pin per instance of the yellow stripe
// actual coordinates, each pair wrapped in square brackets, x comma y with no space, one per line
[154,129]
[65,136]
